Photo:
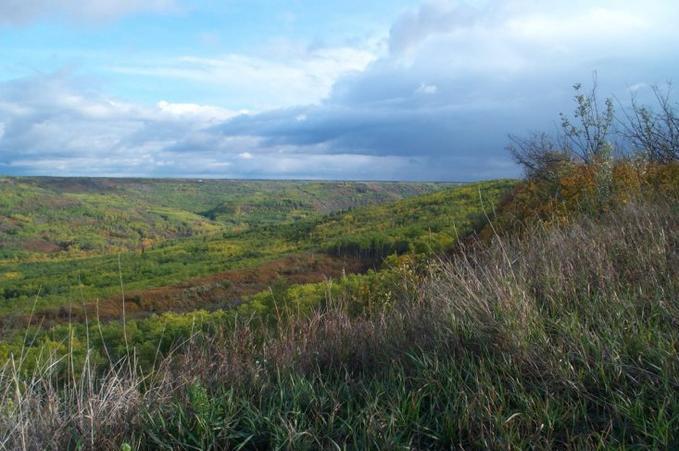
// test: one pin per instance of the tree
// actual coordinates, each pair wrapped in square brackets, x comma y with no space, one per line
[582,144]
[654,132]
[586,137]
[539,156]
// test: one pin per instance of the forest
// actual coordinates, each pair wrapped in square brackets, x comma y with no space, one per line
[217,271]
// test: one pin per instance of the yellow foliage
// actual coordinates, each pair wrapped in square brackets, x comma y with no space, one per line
[663,179]
[11,276]
[592,188]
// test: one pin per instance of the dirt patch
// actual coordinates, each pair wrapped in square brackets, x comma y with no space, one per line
[43,246]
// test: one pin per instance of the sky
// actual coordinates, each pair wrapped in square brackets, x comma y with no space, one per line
[309,89]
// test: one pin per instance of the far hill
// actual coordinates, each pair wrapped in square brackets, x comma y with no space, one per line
[48,216]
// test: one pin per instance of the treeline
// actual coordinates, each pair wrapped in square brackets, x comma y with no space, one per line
[374,246]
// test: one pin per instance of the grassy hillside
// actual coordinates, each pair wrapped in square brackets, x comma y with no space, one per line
[556,329]
[423,224]
[562,336]
[42,217]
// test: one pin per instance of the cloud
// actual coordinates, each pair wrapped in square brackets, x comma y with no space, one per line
[491,69]
[194,111]
[455,78]
[56,124]
[288,76]
[433,16]
[16,12]
[427,89]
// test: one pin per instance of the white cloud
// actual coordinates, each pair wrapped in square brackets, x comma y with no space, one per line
[262,83]
[197,112]
[48,121]
[427,89]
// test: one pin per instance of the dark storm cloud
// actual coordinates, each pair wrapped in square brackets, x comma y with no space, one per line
[457,79]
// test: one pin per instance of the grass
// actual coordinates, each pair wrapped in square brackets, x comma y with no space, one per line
[564,337]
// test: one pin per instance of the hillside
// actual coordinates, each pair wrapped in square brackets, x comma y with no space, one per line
[423,224]
[562,334]
[43,216]
[462,318]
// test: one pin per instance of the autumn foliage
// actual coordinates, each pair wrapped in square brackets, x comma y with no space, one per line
[580,190]
[581,171]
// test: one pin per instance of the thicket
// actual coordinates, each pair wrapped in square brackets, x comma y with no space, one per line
[599,160]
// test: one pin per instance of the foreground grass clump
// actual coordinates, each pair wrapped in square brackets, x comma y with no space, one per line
[564,337]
